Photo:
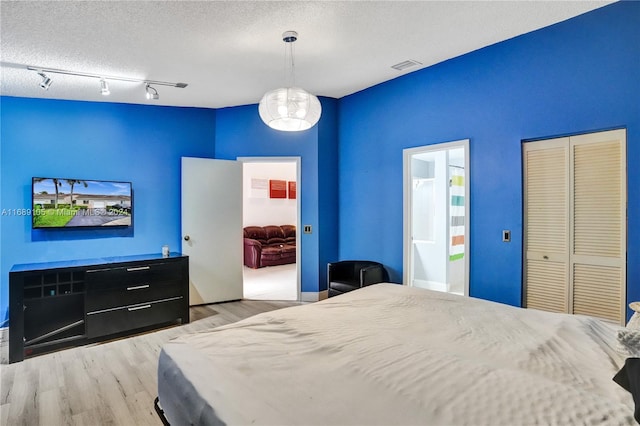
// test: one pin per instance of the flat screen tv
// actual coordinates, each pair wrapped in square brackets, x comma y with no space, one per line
[80,203]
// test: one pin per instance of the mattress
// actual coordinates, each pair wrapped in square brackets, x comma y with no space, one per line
[391,354]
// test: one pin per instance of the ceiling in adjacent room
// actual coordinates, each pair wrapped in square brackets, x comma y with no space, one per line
[231,52]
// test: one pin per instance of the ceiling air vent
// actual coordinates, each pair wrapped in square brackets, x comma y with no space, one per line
[405,64]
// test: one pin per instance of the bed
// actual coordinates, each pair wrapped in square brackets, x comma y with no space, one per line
[391,354]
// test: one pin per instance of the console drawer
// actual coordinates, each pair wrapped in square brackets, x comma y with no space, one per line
[130,317]
[126,276]
[138,292]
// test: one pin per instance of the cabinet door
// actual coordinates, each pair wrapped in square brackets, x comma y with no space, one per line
[49,319]
[46,310]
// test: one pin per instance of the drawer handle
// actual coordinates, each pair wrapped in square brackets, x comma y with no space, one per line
[137,308]
[138,287]
[139,268]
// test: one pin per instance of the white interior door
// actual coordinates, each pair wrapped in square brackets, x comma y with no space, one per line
[212,228]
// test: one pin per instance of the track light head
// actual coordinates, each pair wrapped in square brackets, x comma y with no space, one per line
[104,88]
[152,93]
[46,81]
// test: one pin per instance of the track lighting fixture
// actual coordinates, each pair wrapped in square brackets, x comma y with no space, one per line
[104,87]
[46,81]
[152,93]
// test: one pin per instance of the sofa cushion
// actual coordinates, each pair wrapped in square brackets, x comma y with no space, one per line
[256,233]
[289,233]
[271,253]
[275,242]
[289,230]
[288,249]
[344,286]
[273,232]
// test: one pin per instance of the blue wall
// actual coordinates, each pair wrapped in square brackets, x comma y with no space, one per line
[328,187]
[103,141]
[241,133]
[576,76]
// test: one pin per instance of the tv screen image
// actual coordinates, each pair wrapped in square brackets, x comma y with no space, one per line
[78,203]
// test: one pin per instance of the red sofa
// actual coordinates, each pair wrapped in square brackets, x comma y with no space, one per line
[269,245]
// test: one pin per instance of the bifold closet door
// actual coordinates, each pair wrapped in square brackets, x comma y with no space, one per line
[575,224]
[546,224]
[598,257]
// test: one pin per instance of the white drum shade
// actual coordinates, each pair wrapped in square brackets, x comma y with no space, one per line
[290,109]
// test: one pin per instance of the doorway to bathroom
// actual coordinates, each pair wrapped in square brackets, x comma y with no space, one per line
[436,217]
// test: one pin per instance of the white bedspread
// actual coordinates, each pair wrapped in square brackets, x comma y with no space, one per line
[394,355]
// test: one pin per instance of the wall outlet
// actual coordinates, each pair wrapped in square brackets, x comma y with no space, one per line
[506,236]
[307,229]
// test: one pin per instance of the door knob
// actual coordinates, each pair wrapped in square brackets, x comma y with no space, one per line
[187,238]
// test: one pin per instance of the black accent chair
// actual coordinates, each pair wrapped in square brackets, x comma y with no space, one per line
[348,275]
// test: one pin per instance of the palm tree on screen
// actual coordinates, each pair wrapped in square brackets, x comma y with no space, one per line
[56,183]
[72,183]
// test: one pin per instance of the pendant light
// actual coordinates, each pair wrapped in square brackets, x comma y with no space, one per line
[290,109]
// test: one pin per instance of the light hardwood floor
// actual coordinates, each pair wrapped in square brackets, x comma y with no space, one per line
[112,383]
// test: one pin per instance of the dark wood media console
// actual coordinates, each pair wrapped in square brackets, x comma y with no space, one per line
[61,304]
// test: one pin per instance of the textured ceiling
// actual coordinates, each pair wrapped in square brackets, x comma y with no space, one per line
[231,52]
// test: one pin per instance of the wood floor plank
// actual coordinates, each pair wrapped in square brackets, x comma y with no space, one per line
[7,383]
[47,378]
[22,400]
[4,413]
[111,383]
[49,404]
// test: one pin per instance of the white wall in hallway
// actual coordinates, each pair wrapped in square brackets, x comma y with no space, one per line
[258,208]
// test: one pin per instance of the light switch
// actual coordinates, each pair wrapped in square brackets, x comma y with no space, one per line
[506,236]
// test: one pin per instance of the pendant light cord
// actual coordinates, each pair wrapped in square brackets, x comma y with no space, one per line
[289,63]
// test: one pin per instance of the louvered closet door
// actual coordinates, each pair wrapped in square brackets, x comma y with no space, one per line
[575,225]
[546,231]
[598,257]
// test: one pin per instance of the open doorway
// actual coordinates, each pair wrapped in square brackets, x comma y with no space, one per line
[436,217]
[271,199]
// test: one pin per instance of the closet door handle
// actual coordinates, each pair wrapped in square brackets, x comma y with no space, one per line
[137,308]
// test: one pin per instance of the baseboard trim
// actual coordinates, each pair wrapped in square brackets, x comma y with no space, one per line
[312,296]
